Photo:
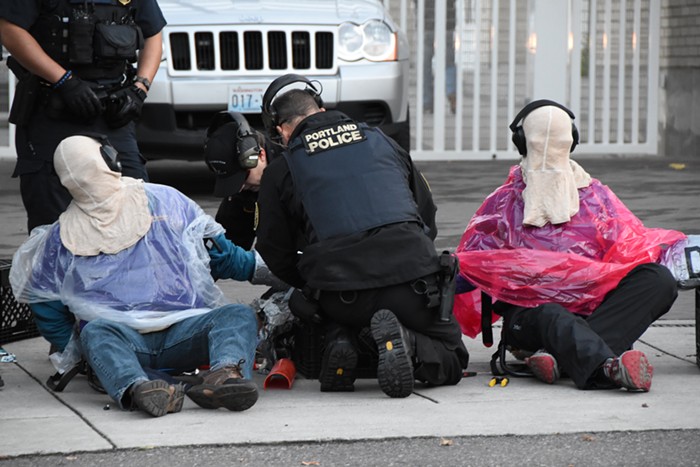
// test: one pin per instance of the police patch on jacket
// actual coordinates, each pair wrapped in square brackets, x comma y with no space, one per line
[341,134]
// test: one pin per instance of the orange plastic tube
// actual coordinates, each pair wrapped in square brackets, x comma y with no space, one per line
[282,375]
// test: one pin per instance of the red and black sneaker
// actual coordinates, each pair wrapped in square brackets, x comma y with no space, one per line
[544,366]
[631,371]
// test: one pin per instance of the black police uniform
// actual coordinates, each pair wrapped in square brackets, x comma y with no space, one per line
[37,137]
[365,229]
[237,214]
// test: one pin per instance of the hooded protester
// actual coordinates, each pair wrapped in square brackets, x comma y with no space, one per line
[571,270]
[129,259]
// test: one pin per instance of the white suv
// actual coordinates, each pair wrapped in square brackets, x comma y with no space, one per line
[222,54]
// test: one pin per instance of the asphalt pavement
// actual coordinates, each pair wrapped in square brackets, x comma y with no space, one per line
[523,423]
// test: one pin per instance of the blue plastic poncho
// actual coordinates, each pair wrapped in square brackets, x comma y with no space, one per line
[162,279]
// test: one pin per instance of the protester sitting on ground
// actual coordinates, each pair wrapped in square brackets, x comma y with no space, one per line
[129,259]
[362,215]
[236,213]
[571,270]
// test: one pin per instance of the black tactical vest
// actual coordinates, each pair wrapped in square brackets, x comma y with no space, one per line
[96,39]
[349,180]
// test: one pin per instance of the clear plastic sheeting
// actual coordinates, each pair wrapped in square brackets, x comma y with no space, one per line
[7,357]
[574,264]
[277,322]
[69,357]
[683,259]
[162,279]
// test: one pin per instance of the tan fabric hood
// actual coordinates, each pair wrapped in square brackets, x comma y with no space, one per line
[108,213]
[552,180]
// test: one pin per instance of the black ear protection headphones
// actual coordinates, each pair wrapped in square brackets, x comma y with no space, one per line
[517,128]
[269,116]
[109,152]
[248,148]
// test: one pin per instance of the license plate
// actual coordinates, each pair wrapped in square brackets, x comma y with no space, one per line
[245,98]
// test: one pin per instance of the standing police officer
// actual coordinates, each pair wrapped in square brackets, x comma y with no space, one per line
[74,61]
[352,202]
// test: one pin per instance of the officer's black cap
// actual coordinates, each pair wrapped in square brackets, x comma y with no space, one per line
[221,156]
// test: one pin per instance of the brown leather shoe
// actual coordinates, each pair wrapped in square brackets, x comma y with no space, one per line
[222,375]
[157,397]
[226,388]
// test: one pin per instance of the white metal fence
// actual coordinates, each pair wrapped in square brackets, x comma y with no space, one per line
[476,63]
[7,133]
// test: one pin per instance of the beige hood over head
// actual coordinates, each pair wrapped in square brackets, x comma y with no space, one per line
[551,179]
[108,213]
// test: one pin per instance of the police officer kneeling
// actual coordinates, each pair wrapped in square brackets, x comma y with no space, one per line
[352,202]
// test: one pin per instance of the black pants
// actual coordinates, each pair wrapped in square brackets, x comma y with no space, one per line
[580,345]
[43,195]
[440,353]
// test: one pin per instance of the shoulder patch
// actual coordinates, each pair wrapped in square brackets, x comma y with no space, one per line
[334,136]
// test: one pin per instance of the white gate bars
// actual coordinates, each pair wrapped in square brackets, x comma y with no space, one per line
[476,63]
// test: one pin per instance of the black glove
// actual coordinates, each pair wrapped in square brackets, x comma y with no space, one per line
[303,308]
[80,99]
[124,106]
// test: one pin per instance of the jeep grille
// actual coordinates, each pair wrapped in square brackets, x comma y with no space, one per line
[240,50]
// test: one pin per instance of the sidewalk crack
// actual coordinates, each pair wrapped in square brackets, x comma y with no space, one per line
[86,421]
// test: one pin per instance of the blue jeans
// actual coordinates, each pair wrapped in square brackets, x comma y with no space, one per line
[118,353]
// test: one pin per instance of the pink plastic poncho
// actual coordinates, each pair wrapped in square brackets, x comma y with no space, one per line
[574,264]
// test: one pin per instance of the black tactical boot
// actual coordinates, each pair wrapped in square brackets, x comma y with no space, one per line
[395,345]
[339,363]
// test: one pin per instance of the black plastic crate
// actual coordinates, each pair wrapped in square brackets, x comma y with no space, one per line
[307,350]
[16,320]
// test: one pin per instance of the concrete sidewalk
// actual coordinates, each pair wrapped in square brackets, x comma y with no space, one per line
[34,420]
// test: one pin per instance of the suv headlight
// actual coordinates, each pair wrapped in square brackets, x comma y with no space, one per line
[373,40]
